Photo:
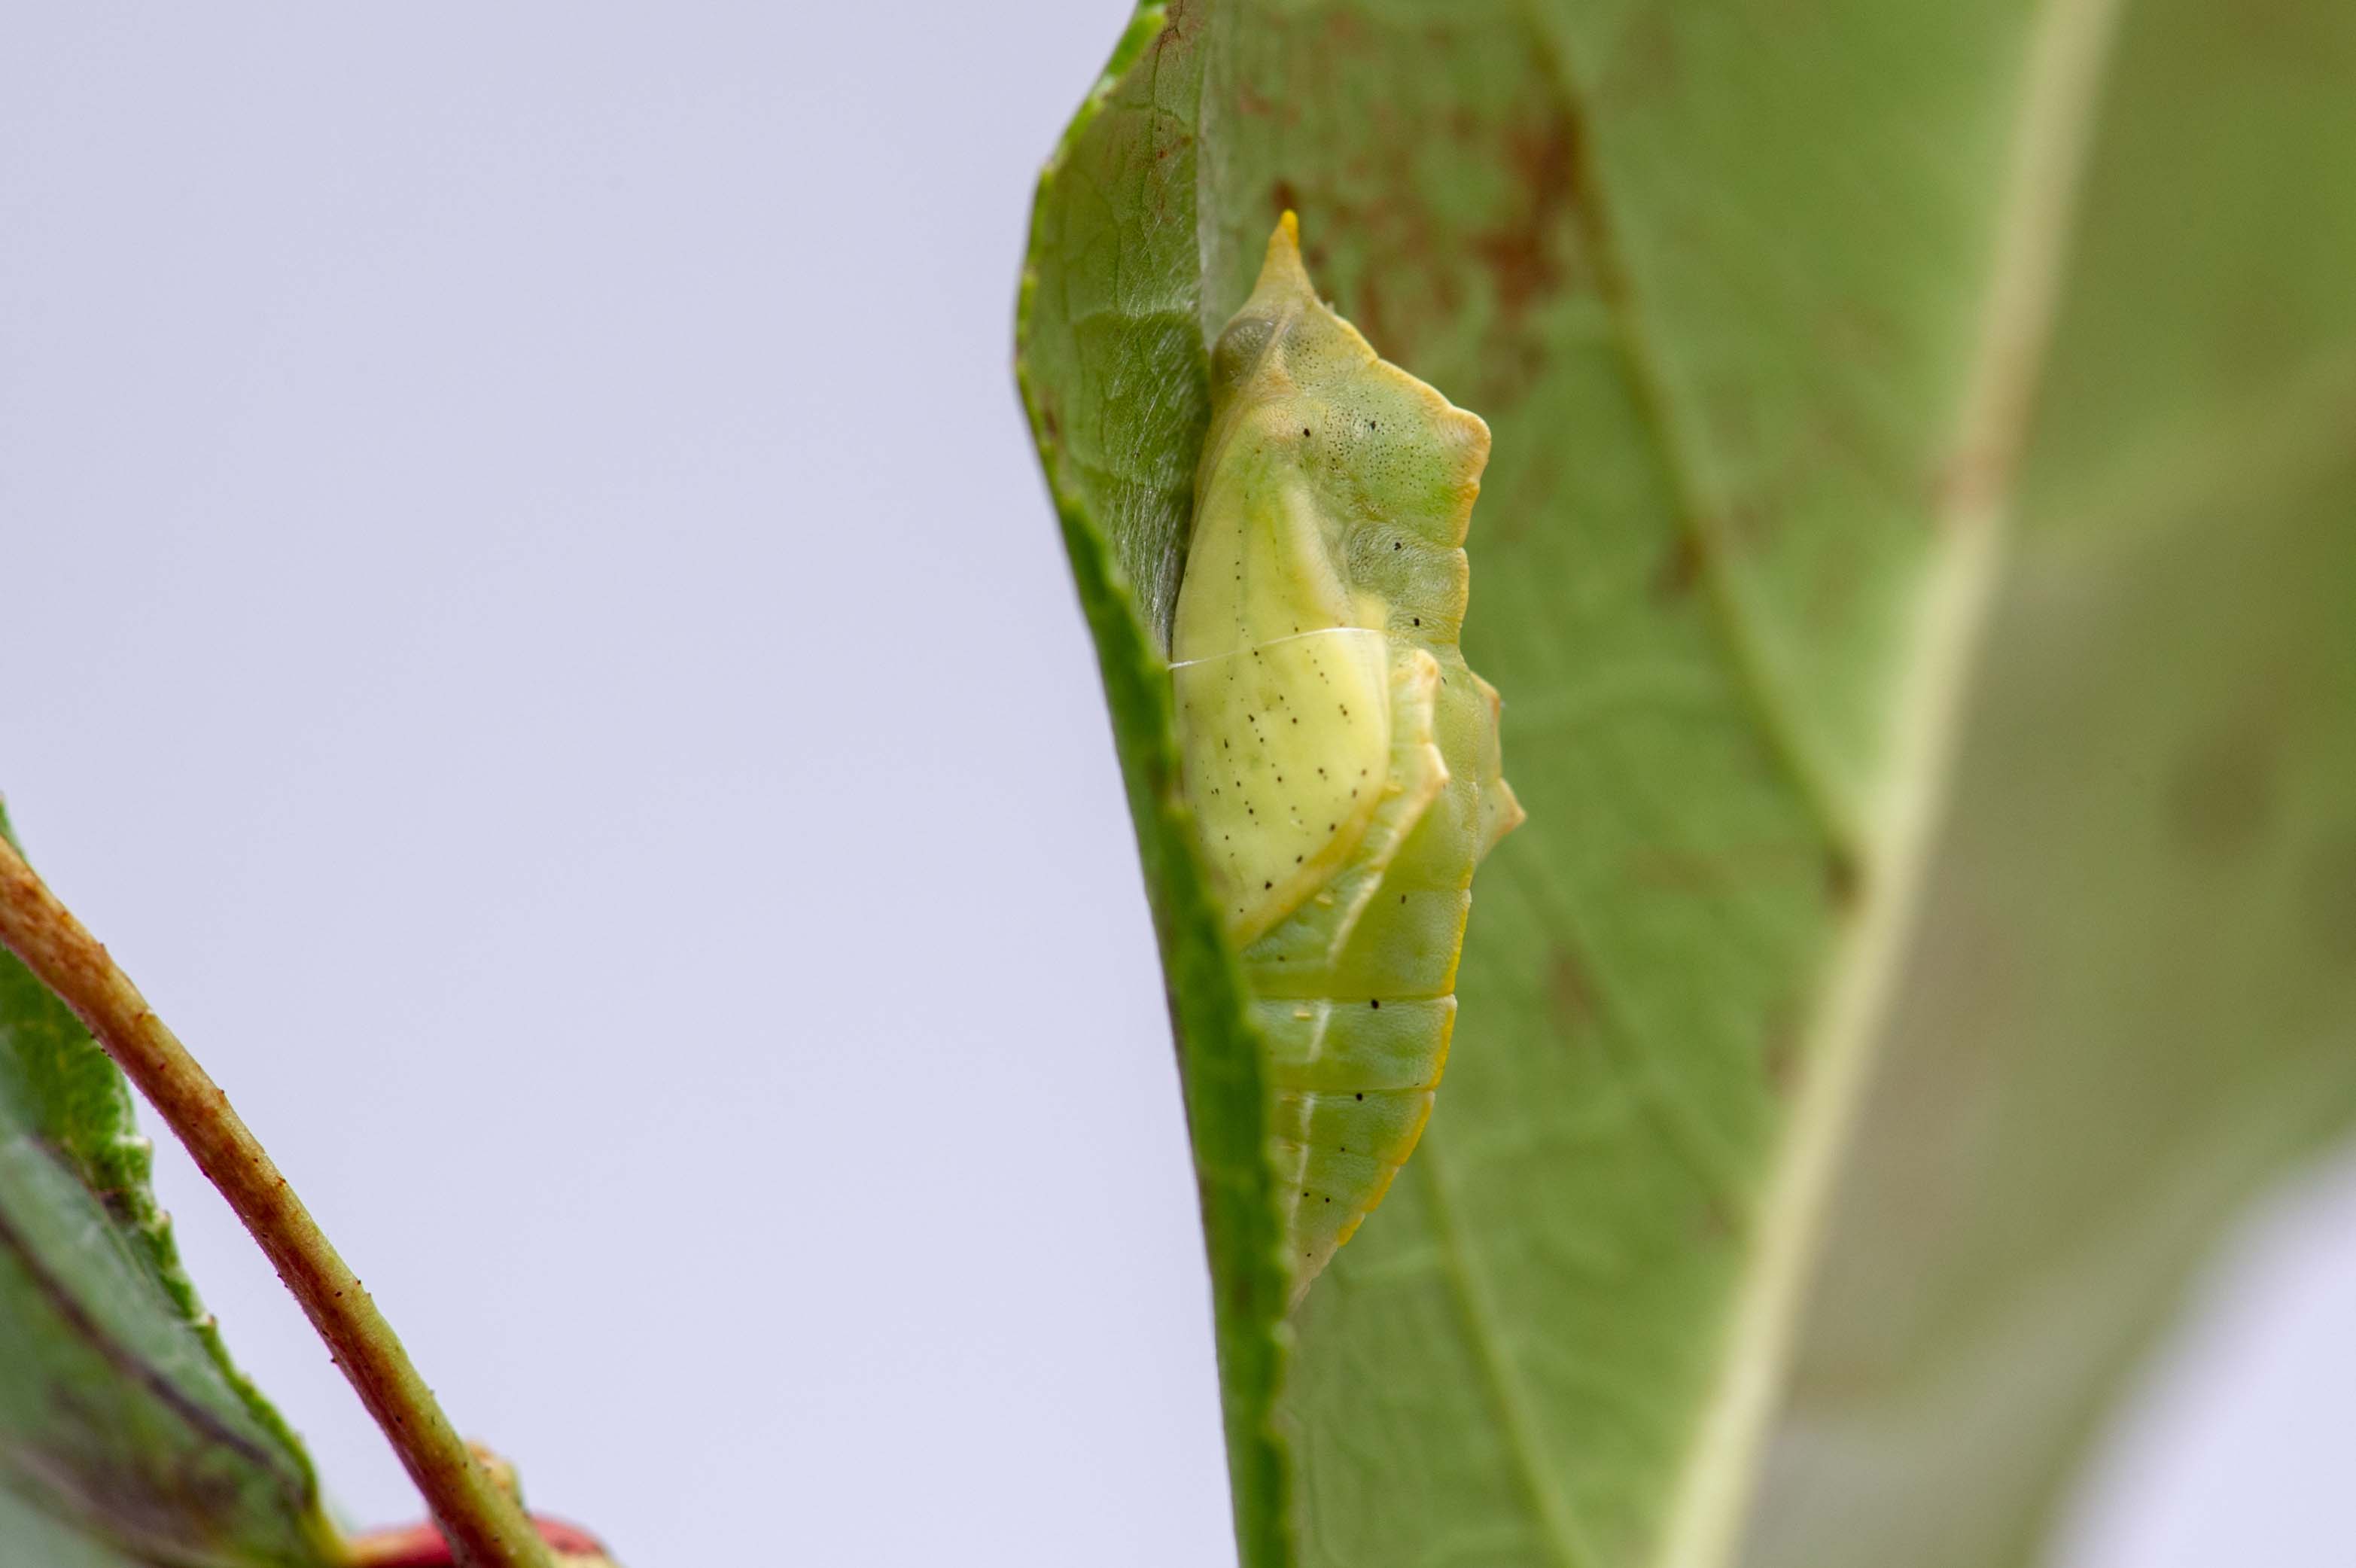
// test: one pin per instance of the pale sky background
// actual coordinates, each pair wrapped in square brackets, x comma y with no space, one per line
[534,631]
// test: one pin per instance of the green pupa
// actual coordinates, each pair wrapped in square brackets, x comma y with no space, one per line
[1340,757]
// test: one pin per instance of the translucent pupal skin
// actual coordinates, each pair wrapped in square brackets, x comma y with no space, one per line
[1341,758]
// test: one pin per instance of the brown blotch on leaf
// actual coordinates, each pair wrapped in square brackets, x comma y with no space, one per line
[1525,255]
[2221,797]
[1844,878]
[1570,994]
[1681,567]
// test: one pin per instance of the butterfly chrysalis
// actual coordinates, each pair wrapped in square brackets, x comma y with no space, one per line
[1339,758]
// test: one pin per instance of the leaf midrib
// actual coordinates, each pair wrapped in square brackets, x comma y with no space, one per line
[1888,849]
[2062,80]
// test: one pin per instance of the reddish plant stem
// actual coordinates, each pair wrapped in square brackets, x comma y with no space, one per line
[486,1527]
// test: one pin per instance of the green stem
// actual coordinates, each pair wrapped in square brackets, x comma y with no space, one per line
[486,1527]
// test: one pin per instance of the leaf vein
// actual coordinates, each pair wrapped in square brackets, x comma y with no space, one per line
[1567,1542]
[1699,510]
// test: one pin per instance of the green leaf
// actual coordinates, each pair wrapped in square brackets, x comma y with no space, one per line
[2132,1003]
[123,1426]
[1765,307]
[1114,381]
[39,1541]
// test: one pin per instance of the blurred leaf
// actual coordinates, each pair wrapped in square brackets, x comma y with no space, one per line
[37,1540]
[1755,297]
[122,1424]
[2133,1001]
